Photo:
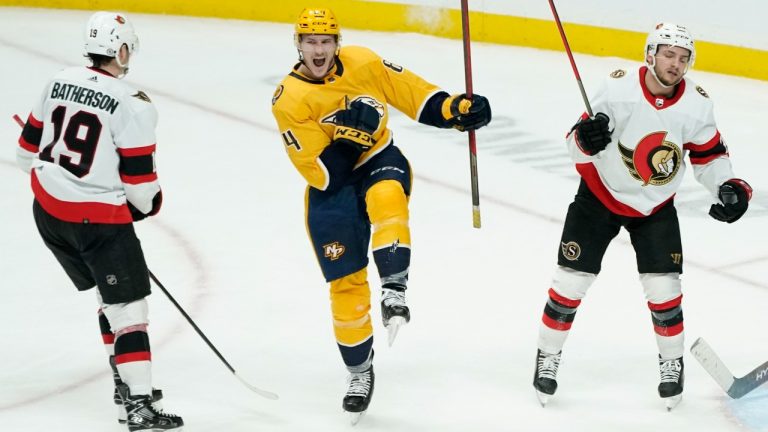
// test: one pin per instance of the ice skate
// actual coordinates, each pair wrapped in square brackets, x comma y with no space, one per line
[545,375]
[122,415]
[672,378]
[394,311]
[358,394]
[142,416]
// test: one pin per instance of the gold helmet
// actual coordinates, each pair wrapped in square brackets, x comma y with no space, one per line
[316,21]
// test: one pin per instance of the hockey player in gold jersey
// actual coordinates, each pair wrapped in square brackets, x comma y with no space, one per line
[332,113]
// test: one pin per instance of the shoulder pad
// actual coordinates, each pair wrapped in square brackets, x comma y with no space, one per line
[618,73]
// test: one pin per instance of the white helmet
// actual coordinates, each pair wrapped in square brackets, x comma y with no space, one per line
[106,32]
[673,35]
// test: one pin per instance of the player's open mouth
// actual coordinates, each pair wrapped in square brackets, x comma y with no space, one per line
[318,62]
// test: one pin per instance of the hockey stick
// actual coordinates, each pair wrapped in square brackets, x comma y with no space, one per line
[260,392]
[570,57]
[470,134]
[734,387]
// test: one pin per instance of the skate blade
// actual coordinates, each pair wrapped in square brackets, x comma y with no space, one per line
[673,401]
[543,398]
[355,417]
[393,326]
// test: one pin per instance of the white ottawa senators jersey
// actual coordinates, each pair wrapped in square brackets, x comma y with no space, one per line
[90,144]
[305,108]
[643,166]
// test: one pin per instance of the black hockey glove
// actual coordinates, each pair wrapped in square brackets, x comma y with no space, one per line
[137,215]
[734,196]
[466,114]
[356,124]
[592,134]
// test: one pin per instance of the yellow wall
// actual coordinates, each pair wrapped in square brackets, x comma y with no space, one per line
[372,15]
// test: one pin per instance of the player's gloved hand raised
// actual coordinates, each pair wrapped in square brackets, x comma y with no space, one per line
[734,196]
[592,134]
[466,114]
[356,124]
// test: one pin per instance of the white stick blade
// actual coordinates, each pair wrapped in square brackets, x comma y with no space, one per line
[260,392]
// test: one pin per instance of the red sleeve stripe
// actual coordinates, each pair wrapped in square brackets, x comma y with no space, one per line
[675,302]
[555,324]
[138,179]
[34,122]
[28,146]
[109,339]
[706,146]
[137,151]
[669,331]
[133,357]
[565,301]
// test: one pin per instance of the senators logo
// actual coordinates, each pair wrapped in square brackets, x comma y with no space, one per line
[618,73]
[334,251]
[654,161]
[571,250]
[140,95]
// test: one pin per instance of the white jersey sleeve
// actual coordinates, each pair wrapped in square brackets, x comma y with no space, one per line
[92,138]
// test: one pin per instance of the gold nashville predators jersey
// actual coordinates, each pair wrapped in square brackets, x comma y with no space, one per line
[305,108]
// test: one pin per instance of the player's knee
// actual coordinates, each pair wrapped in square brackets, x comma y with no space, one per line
[124,316]
[660,288]
[350,299]
[386,200]
[571,284]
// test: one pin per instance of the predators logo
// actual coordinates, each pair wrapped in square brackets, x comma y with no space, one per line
[654,160]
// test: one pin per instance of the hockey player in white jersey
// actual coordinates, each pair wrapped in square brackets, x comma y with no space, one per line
[89,146]
[631,158]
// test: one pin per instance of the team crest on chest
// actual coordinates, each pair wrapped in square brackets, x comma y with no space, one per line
[654,161]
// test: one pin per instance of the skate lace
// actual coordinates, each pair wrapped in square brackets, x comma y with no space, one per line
[359,384]
[670,370]
[147,405]
[548,364]
[390,297]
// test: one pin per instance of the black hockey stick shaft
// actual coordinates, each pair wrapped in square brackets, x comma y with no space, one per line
[261,392]
[570,57]
[264,393]
[470,134]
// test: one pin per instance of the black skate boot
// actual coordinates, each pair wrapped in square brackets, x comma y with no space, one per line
[359,394]
[122,415]
[672,378]
[545,375]
[394,311]
[143,417]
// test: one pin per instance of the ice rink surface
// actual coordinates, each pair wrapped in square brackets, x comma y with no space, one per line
[230,245]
